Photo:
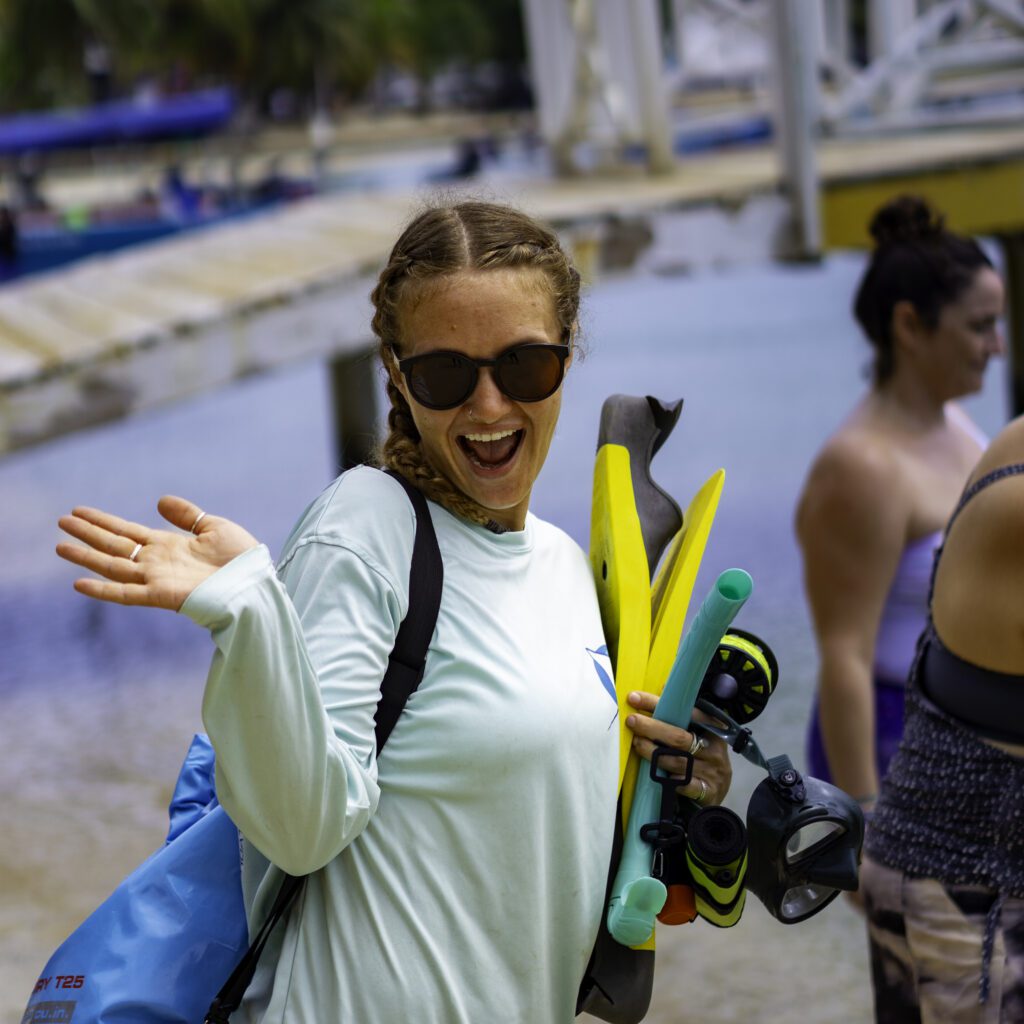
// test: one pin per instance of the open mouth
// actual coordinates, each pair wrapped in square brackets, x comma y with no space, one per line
[493,450]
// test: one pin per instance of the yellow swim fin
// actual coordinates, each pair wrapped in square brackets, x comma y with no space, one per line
[619,564]
[632,522]
[670,599]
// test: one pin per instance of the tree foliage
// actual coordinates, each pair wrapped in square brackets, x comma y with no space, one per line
[256,45]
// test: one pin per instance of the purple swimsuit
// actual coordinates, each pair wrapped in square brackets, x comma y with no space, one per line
[903,618]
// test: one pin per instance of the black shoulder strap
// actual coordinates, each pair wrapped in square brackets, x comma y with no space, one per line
[409,655]
[405,670]
[1014,469]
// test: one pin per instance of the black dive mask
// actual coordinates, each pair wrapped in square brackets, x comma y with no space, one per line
[804,835]
[805,838]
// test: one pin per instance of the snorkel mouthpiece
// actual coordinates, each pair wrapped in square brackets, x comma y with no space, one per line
[631,916]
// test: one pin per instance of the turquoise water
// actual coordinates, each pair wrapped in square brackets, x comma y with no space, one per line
[97,703]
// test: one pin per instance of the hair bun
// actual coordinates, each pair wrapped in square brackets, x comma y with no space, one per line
[906,219]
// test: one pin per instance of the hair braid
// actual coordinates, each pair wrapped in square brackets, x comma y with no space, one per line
[402,452]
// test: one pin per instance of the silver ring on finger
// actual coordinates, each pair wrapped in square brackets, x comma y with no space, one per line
[199,519]
[135,553]
[703,794]
[697,744]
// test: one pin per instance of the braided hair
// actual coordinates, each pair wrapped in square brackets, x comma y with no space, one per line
[442,241]
[918,260]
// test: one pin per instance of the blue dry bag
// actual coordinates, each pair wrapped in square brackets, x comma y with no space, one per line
[159,948]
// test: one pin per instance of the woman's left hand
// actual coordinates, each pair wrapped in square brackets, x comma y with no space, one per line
[712,770]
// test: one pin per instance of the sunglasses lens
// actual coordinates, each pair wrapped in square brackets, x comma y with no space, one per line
[441,381]
[530,373]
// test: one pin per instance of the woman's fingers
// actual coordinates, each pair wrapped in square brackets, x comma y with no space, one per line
[116,568]
[711,770]
[673,765]
[118,593]
[135,532]
[700,790]
[97,537]
[643,701]
[182,513]
[660,734]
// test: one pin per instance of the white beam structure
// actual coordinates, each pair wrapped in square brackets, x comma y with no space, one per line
[838,38]
[598,76]
[630,35]
[796,31]
[887,21]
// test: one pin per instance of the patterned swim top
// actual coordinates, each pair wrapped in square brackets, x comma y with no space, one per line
[951,806]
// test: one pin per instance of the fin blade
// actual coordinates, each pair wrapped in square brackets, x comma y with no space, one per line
[619,564]
[670,600]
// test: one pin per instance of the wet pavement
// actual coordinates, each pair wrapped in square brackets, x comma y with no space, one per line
[97,703]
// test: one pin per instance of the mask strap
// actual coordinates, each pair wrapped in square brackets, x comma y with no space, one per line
[739,737]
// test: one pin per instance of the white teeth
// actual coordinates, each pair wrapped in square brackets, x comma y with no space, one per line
[489,437]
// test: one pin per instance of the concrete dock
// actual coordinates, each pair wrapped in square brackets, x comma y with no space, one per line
[152,325]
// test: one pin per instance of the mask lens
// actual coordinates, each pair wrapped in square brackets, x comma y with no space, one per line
[441,380]
[530,373]
[802,900]
[806,838]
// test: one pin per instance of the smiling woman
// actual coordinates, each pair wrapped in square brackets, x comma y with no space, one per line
[883,485]
[475,282]
[487,442]
[459,874]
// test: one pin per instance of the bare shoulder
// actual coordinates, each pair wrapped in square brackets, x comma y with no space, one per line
[978,583]
[1006,449]
[957,415]
[998,511]
[851,523]
[855,478]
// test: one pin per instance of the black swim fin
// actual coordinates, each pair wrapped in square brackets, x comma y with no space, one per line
[641,426]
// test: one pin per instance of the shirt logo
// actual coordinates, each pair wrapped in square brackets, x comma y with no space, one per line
[603,666]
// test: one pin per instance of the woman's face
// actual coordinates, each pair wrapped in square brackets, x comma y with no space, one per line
[968,335]
[490,447]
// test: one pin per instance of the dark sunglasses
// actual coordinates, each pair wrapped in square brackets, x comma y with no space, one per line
[525,373]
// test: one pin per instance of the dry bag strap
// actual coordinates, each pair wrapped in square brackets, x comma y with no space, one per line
[405,670]
[230,996]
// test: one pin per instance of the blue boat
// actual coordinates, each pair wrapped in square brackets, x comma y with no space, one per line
[144,119]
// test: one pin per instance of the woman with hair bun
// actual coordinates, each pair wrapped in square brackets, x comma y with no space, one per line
[883,485]
[459,877]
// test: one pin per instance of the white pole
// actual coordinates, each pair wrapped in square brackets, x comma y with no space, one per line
[679,8]
[649,69]
[887,21]
[837,29]
[552,58]
[797,112]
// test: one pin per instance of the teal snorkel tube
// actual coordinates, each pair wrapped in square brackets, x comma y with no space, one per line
[636,897]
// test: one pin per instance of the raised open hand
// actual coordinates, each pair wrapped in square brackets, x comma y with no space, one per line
[158,568]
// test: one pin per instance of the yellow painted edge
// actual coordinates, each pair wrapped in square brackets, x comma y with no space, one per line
[978,200]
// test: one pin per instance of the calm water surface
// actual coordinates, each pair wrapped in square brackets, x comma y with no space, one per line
[98,703]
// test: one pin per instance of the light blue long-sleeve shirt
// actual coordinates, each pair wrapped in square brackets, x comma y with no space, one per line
[461,878]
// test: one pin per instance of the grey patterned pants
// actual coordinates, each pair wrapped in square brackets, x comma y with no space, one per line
[927,942]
